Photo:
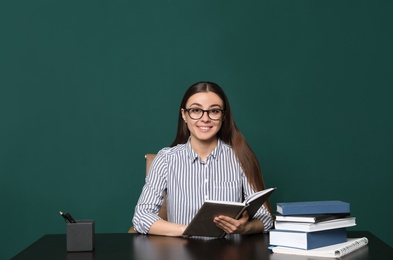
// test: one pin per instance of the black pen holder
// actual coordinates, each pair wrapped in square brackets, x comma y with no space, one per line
[80,236]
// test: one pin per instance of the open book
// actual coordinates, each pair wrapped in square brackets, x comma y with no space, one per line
[202,224]
[333,251]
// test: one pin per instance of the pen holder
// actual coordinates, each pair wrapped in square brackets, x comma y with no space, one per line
[80,236]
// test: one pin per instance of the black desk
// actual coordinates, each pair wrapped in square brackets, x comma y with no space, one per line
[134,246]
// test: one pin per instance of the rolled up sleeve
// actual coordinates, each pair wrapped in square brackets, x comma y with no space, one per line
[262,214]
[151,198]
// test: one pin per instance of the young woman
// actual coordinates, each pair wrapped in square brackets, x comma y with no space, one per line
[209,159]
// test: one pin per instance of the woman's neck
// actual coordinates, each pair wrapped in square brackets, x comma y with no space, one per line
[203,148]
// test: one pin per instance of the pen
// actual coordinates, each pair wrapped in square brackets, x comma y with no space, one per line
[67,217]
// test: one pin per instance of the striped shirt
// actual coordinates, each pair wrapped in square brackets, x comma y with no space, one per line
[187,182]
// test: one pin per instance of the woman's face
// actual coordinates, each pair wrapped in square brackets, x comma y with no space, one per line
[204,129]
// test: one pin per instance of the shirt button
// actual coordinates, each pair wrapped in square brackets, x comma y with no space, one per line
[206,197]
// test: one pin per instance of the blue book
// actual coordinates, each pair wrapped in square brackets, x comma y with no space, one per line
[313,207]
[307,240]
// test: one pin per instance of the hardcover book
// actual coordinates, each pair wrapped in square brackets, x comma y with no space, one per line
[312,227]
[307,240]
[312,218]
[313,207]
[202,224]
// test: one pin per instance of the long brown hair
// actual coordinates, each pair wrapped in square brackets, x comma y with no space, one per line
[229,133]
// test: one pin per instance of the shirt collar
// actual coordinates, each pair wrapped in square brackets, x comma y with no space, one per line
[214,154]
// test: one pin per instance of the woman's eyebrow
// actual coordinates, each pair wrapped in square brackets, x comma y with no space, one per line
[197,104]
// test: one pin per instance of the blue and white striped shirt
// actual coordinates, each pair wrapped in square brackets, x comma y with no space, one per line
[187,181]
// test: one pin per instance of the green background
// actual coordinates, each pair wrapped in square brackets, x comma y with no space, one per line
[88,87]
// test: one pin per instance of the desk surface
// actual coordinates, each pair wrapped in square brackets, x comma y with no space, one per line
[135,246]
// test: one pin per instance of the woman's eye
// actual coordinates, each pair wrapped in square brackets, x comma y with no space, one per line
[196,110]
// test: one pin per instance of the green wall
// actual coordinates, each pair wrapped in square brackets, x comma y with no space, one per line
[88,87]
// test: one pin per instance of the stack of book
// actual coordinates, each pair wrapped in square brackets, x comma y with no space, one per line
[304,226]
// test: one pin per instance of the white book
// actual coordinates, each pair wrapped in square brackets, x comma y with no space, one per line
[333,251]
[319,226]
[310,218]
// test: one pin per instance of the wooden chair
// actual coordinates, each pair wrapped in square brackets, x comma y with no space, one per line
[149,158]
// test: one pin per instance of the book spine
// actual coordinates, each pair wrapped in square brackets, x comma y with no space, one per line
[312,209]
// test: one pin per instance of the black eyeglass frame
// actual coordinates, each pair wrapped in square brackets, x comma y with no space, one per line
[203,112]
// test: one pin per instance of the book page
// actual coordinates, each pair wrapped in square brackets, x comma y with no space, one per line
[258,194]
[225,202]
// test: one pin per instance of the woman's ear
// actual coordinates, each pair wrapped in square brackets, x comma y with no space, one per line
[183,114]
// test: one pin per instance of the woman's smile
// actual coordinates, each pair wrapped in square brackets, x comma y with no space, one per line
[205,128]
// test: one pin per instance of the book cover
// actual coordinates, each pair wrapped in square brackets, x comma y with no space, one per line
[332,251]
[312,227]
[311,218]
[313,207]
[307,240]
[202,224]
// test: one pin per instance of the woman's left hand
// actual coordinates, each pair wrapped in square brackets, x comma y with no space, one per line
[233,226]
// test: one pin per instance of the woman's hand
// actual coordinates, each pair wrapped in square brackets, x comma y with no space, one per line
[239,226]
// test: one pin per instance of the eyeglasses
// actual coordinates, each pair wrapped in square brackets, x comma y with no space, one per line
[197,113]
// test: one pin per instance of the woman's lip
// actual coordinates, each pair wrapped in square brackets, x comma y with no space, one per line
[204,128]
